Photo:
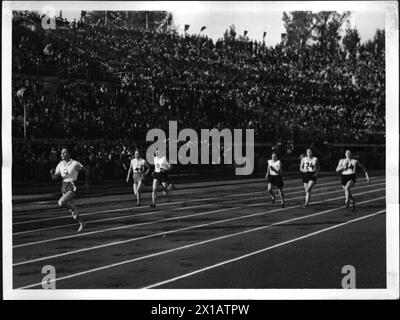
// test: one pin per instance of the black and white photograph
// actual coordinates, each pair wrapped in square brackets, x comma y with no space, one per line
[201,148]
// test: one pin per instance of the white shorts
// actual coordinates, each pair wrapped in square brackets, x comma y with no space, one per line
[67,186]
[138,177]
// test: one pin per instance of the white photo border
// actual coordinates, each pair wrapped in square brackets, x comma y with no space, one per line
[390,8]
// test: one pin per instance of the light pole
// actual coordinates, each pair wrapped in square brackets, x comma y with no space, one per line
[24,122]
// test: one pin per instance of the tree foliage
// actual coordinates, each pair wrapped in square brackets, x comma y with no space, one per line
[376,45]
[305,27]
[298,25]
[351,40]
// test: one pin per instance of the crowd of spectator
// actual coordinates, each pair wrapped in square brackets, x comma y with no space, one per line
[45,52]
[306,94]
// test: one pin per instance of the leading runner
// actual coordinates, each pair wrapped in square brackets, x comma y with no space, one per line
[68,169]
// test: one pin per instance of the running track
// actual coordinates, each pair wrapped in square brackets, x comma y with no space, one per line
[214,237]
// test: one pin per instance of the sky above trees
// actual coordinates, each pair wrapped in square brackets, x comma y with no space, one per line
[271,22]
[257,22]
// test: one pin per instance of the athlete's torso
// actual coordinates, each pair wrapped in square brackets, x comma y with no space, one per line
[69,170]
[160,163]
[350,166]
[310,164]
[276,165]
[138,165]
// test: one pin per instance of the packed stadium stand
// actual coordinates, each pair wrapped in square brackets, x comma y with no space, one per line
[99,89]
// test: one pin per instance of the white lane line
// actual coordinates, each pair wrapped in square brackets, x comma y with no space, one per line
[186,275]
[160,205]
[130,199]
[161,233]
[161,211]
[183,191]
[162,220]
[194,244]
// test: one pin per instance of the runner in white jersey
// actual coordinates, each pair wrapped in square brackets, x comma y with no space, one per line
[140,169]
[348,168]
[68,169]
[274,177]
[160,176]
[309,166]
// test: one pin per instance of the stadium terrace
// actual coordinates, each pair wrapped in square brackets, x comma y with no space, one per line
[188,153]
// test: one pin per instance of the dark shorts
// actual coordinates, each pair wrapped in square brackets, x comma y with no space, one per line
[275,180]
[347,177]
[309,176]
[67,186]
[160,176]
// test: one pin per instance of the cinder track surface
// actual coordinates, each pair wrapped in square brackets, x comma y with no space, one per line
[228,236]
